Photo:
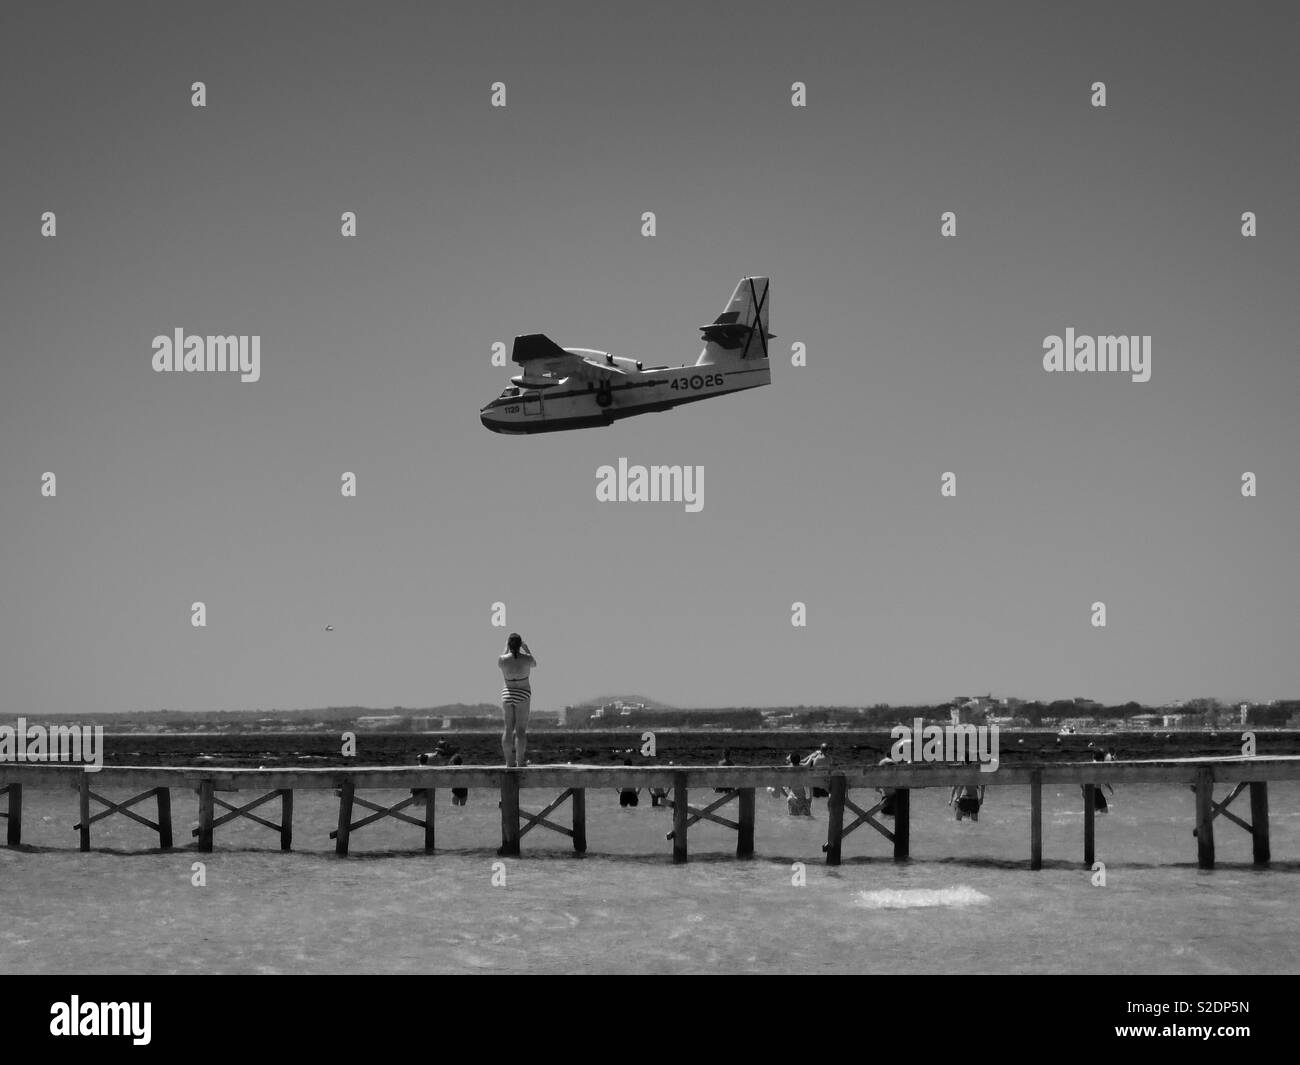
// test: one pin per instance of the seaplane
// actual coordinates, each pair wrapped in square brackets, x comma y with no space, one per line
[577,388]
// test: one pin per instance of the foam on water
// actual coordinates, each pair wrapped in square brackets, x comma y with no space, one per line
[910,898]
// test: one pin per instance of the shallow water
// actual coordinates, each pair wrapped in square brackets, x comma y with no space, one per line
[967,902]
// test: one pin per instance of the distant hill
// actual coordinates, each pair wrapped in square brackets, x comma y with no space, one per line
[650,704]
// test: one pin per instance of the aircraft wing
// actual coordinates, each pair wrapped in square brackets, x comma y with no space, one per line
[539,355]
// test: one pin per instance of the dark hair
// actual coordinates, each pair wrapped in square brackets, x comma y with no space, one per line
[514,643]
[794,758]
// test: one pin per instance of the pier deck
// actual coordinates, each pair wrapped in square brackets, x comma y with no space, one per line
[157,782]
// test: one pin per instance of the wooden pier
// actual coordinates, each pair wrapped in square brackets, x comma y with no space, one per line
[736,783]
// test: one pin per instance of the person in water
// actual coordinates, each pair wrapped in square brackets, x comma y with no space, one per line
[797,801]
[628,796]
[726,760]
[1098,796]
[969,798]
[516,698]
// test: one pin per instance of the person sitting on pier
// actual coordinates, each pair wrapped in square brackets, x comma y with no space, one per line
[516,698]
[628,796]
[459,796]
[886,794]
[1098,796]
[969,801]
[437,756]
[821,758]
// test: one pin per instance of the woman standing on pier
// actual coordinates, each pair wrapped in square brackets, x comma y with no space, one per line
[516,698]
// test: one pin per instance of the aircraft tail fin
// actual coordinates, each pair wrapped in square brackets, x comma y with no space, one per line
[740,331]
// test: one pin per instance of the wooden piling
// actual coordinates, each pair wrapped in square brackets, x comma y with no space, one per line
[510,814]
[1258,820]
[346,791]
[1089,825]
[83,790]
[1205,818]
[1036,820]
[835,820]
[286,819]
[16,815]
[164,796]
[207,809]
[579,802]
[680,812]
[745,834]
[902,824]
[429,795]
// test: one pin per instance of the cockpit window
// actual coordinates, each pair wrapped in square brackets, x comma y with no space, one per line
[512,391]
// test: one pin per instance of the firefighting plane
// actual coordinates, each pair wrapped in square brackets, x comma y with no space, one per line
[574,388]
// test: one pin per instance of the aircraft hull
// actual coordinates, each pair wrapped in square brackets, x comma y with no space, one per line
[577,407]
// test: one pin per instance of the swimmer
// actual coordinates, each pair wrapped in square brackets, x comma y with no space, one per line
[969,799]
[516,698]
[726,760]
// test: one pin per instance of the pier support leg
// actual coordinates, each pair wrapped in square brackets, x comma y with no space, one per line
[1258,820]
[83,789]
[1089,825]
[509,815]
[1036,820]
[165,818]
[345,817]
[1205,819]
[680,810]
[286,819]
[902,824]
[206,810]
[579,801]
[428,820]
[745,834]
[16,816]
[835,820]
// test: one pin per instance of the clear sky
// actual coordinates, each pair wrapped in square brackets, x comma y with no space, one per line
[475,224]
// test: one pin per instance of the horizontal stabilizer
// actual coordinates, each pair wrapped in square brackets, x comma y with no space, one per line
[536,346]
[729,336]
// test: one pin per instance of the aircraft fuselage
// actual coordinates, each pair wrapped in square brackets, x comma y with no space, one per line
[574,404]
